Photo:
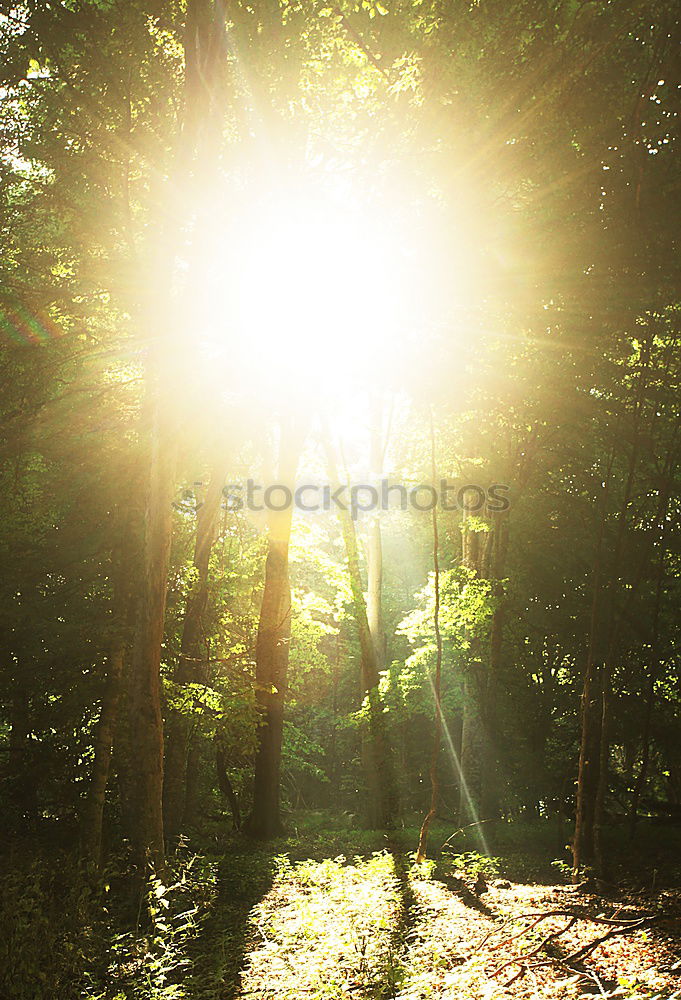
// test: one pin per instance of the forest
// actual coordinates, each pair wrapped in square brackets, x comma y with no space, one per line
[340,499]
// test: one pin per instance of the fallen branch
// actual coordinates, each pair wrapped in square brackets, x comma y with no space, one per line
[488,935]
[523,961]
[588,948]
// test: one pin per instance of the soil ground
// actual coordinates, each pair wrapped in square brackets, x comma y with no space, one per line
[345,913]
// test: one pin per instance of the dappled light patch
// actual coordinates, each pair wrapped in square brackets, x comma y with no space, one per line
[454,951]
[438,958]
[325,929]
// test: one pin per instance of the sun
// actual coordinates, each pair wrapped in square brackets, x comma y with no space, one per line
[302,287]
[313,289]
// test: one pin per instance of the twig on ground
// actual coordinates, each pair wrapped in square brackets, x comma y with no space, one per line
[588,948]
[522,960]
[488,935]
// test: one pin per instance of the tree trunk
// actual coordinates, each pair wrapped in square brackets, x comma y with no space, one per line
[192,667]
[146,723]
[663,524]
[374,588]
[584,846]
[587,846]
[271,655]
[473,740]
[642,775]
[204,25]
[382,802]
[226,787]
[490,793]
[93,814]
[437,683]
[603,766]
[375,546]
[123,602]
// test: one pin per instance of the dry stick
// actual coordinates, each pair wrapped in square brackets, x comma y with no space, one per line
[590,974]
[621,925]
[437,735]
[609,921]
[522,933]
[488,935]
[522,959]
[588,948]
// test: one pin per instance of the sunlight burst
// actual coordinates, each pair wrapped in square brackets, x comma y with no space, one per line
[303,290]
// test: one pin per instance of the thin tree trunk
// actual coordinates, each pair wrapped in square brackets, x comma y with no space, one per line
[146,722]
[91,834]
[271,655]
[123,601]
[603,765]
[591,841]
[473,742]
[374,582]
[192,783]
[642,776]
[226,787]
[489,801]
[191,667]
[375,546]
[437,684]
[582,843]
[333,741]
[382,804]
[590,787]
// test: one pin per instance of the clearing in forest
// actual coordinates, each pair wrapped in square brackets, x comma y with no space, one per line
[378,926]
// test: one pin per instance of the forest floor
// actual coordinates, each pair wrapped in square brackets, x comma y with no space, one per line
[331,914]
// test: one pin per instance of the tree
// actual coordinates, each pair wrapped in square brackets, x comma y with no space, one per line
[272,648]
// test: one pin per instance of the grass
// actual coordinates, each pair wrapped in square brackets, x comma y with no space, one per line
[331,912]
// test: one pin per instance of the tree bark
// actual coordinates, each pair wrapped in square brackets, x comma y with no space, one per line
[105,734]
[375,546]
[271,655]
[191,667]
[146,722]
[473,741]
[381,807]
[437,683]
[226,787]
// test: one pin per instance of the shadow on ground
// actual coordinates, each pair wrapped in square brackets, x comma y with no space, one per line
[217,953]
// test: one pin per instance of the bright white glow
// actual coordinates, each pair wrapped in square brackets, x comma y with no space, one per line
[301,290]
